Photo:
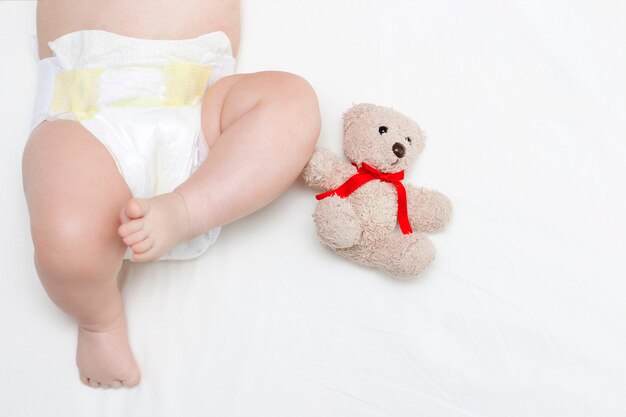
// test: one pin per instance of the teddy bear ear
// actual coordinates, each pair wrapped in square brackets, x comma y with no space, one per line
[359,110]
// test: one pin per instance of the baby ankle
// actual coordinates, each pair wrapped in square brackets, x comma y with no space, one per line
[194,221]
[102,324]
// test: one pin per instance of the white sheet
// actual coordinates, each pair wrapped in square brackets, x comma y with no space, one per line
[522,313]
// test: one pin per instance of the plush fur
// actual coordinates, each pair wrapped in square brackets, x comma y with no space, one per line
[361,227]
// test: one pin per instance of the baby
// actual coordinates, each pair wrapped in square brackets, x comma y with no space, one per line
[144,143]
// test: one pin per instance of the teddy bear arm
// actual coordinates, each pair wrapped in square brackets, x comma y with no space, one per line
[326,171]
[429,210]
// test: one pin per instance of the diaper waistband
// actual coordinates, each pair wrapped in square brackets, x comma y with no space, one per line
[93,69]
[83,92]
[99,48]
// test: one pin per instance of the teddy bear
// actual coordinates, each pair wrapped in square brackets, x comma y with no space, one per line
[363,201]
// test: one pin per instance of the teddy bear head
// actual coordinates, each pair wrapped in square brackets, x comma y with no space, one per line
[381,137]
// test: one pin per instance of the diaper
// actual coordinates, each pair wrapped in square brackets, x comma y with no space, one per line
[142,99]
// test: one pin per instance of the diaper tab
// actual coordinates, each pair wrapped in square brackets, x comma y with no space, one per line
[185,83]
[178,83]
[76,92]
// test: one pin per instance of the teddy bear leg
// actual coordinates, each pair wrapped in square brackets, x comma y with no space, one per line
[403,256]
[336,222]
[430,210]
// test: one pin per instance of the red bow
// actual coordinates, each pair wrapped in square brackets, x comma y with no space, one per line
[366,174]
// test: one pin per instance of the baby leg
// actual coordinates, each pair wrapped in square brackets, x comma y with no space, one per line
[74,194]
[261,130]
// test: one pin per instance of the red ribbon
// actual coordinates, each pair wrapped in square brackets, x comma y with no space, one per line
[366,174]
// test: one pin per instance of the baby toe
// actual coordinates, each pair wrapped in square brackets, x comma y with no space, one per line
[116,384]
[130,227]
[93,384]
[148,255]
[123,217]
[136,207]
[136,237]
[143,246]
[132,381]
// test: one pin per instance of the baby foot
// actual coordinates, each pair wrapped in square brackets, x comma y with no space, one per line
[104,357]
[151,227]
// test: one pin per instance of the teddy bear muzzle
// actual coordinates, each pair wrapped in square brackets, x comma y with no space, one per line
[398,150]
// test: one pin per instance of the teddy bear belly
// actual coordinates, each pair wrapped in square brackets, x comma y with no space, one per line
[375,203]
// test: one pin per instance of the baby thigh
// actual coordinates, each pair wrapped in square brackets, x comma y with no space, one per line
[74,194]
[261,130]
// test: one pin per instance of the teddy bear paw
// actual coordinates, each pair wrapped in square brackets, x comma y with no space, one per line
[336,222]
[419,253]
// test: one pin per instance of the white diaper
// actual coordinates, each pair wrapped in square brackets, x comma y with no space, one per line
[142,99]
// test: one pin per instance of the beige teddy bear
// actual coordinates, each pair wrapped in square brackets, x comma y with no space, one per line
[363,201]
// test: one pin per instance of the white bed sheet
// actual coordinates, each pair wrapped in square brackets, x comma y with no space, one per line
[522,313]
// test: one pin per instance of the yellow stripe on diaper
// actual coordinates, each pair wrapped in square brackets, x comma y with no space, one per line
[140,101]
[76,92]
[184,83]
[184,86]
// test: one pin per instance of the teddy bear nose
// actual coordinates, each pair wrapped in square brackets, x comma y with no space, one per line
[398,149]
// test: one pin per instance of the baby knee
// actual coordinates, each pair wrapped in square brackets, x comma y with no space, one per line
[68,249]
[298,88]
[298,98]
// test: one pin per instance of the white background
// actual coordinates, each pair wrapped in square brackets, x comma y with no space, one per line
[522,313]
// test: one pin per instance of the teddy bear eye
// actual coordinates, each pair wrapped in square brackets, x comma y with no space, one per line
[382,129]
